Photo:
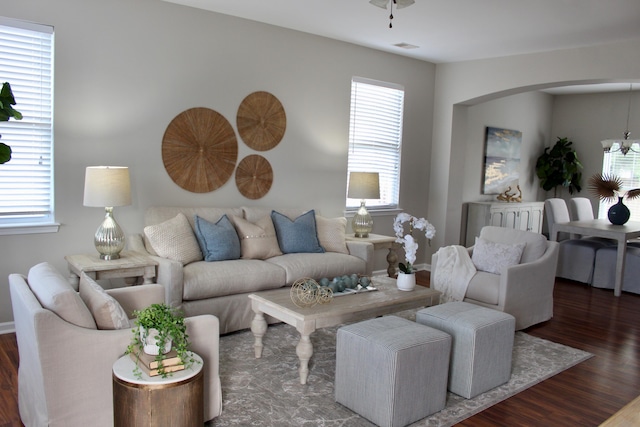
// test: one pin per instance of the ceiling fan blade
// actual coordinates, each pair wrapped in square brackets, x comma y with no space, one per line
[379,3]
[404,3]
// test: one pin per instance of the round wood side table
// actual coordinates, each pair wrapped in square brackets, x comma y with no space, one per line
[155,401]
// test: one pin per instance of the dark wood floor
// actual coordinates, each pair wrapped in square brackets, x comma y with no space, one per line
[585,395]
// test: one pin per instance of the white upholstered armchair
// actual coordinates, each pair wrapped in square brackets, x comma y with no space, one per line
[524,290]
[64,375]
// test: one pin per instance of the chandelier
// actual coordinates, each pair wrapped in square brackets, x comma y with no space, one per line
[625,144]
[399,4]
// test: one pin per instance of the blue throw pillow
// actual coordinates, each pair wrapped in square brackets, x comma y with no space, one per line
[298,236]
[218,241]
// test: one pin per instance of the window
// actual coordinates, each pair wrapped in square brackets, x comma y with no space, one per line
[375,137]
[626,168]
[26,181]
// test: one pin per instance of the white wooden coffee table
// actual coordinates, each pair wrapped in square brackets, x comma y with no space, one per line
[349,308]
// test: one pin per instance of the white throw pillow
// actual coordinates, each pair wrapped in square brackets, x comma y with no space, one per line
[494,257]
[331,232]
[106,311]
[174,239]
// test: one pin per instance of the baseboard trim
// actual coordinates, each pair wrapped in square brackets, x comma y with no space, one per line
[7,328]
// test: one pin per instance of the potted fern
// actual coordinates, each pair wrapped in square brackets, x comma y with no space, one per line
[159,329]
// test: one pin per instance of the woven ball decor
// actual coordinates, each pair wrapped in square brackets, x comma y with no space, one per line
[261,121]
[254,176]
[199,150]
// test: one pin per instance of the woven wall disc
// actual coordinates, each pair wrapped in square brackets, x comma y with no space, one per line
[261,121]
[199,150]
[254,176]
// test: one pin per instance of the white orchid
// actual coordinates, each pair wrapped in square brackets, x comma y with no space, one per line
[407,240]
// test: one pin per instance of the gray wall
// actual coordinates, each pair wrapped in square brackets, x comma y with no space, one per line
[124,69]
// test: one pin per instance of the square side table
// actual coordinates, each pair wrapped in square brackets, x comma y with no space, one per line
[380,242]
[130,265]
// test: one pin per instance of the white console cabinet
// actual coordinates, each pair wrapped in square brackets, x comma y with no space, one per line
[522,216]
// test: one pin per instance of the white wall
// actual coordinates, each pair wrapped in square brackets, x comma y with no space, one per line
[124,69]
[471,82]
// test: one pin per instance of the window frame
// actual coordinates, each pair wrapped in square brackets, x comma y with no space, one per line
[627,168]
[28,52]
[368,142]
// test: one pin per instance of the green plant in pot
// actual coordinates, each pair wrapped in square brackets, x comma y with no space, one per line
[559,166]
[158,329]
[6,112]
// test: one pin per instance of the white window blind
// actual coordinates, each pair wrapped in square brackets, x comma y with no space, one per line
[627,168]
[26,181]
[375,137]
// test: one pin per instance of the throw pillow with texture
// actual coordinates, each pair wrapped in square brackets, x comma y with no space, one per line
[218,241]
[54,292]
[331,232]
[494,257]
[257,241]
[174,239]
[299,235]
[106,311]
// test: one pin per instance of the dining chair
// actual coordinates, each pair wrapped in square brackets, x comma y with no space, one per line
[580,209]
[604,273]
[576,257]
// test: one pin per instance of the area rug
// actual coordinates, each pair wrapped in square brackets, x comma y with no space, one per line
[267,391]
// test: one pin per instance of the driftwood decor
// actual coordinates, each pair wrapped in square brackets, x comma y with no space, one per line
[261,121]
[254,176]
[199,150]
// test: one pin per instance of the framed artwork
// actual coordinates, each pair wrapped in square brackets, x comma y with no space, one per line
[501,159]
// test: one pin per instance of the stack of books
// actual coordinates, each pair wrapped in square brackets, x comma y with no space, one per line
[150,366]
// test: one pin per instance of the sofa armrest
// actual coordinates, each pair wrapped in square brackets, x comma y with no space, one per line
[137,297]
[364,251]
[169,272]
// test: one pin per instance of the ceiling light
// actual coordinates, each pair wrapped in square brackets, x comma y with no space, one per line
[625,144]
[399,4]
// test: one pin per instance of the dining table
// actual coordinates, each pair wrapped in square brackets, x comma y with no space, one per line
[603,228]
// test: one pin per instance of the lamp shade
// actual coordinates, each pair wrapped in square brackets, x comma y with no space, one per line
[364,185]
[107,186]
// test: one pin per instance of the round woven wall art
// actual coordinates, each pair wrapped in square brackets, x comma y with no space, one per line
[199,150]
[254,176]
[261,121]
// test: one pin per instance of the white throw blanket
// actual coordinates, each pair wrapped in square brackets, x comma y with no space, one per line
[454,271]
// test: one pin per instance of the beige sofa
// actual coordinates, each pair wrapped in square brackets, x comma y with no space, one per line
[64,375]
[222,287]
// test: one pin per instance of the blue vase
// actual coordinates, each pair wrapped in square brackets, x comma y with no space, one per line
[619,214]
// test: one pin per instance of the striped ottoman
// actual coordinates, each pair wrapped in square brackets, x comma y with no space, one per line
[392,371]
[482,345]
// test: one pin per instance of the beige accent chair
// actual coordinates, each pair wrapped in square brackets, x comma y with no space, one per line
[525,290]
[576,257]
[65,370]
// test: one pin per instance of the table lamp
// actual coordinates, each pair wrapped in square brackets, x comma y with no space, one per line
[363,185]
[107,187]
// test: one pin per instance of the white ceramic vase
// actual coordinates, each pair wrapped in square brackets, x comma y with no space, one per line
[150,345]
[406,282]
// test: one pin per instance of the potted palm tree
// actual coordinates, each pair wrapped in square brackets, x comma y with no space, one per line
[7,101]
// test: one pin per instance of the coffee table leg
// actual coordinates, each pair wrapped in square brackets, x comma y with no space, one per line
[259,328]
[304,350]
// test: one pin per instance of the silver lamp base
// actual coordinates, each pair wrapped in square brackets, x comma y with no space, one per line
[362,222]
[109,238]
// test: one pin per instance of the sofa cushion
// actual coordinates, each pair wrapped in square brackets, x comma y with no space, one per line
[215,279]
[299,235]
[106,311]
[317,266]
[257,240]
[331,234]
[174,239]
[54,292]
[493,257]
[218,241]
